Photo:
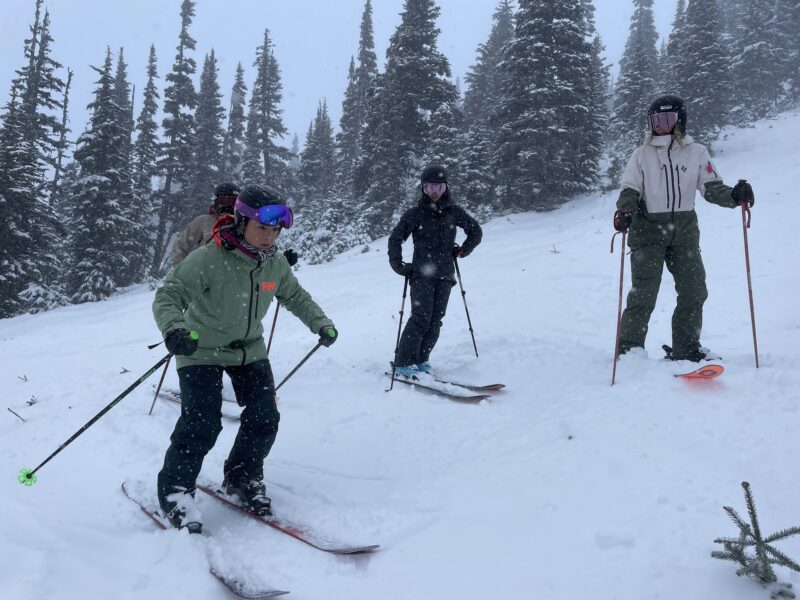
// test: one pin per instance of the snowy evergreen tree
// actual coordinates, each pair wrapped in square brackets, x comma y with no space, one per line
[180,100]
[318,161]
[146,148]
[546,106]
[209,138]
[785,28]
[675,53]
[636,87]
[233,148]
[703,71]
[97,223]
[415,84]
[359,80]
[486,81]
[598,115]
[266,161]
[29,140]
[63,143]
[756,63]
[130,241]
[447,142]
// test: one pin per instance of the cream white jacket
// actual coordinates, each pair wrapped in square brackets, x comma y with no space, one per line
[666,173]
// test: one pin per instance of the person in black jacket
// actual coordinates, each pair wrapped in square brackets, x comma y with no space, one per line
[432,225]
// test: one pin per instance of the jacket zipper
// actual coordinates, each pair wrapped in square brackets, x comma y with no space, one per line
[680,193]
[671,176]
[666,183]
[250,307]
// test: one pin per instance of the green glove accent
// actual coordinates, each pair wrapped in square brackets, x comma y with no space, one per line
[193,335]
[26,477]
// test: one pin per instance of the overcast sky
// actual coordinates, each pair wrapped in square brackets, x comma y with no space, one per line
[314,40]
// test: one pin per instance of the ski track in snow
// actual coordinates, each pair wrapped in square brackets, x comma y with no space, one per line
[561,487]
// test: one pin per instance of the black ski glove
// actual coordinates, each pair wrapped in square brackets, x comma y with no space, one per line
[458,251]
[181,341]
[291,257]
[328,335]
[743,192]
[622,220]
[404,269]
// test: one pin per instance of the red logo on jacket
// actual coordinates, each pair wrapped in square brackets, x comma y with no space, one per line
[268,286]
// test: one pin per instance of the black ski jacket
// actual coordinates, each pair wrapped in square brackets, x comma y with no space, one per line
[432,226]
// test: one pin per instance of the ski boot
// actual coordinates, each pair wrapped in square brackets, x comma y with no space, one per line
[408,371]
[181,511]
[252,495]
[425,367]
[695,354]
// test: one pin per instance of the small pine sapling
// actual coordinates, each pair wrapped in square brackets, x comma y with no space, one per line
[757,564]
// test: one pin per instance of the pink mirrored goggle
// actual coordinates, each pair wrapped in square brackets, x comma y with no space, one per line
[663,122]
[434,189]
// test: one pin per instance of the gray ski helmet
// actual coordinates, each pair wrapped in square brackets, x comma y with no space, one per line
[256,196]
[434,173]
[226,189]
[670,103]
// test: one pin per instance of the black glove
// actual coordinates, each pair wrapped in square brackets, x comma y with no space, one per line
[404,269]
[458,251]
[622,220]
[291,257]
[181,341]
[328,335]
[742,193]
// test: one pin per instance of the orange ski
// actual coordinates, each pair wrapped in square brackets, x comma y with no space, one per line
[706,372]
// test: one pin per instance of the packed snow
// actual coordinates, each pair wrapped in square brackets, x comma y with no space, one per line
[561,487]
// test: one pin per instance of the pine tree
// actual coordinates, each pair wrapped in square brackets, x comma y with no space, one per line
[63,142]
[415,84]
[97,224]
[209,138]
[266,161]
[233,148]
[146,148]
[180,100]
[785,29]
[756,64]
[545,108]
[598,115]
[704,73]
[486,81]
[317,161]
[359,81]
[129,243]
[635,89]
[29,256]
[676,53]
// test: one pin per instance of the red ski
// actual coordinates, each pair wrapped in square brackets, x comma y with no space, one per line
[299,532]
[705,372]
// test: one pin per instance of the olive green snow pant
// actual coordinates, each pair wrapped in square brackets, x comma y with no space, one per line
[686,266]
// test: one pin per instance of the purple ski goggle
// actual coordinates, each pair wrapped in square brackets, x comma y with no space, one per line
[274,214]
[434,189]
[663,122]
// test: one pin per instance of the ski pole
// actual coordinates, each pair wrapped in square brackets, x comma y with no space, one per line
[464,298]
[399,327]
[28,476]
[274,321]
[745,227]
[300,364]
[160,381]
[619,307]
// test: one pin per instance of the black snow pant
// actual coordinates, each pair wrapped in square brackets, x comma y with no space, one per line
[201,422]
[428,306]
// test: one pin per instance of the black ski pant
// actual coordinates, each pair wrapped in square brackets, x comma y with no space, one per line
[201,422]
[428,306]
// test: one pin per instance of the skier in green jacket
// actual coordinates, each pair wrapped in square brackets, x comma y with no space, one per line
[210,310]
[657,203]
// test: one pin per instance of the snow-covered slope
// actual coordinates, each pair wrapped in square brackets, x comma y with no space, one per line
[560,488]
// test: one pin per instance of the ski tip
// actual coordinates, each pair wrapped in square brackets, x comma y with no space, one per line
[704,372]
